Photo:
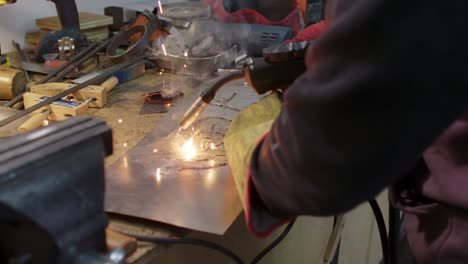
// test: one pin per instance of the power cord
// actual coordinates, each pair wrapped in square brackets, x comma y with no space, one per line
[275,243]
[194,242]
[382,230]
[214,246]
[228,253]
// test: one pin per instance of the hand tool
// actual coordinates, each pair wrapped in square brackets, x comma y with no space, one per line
[12,128]
[89,50]
[51,207]
[61,109]
[68,16]
[98,92]
[107,72]
[34,122]
[12,82]
[262,74]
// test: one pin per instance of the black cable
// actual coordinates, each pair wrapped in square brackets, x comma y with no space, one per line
[393,232]
[214,246]
[194,242]
[382,230]
[275,243]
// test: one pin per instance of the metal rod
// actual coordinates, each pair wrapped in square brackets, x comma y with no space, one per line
[20,52]
[88,51]
[22,57]
[107,72]
[334,239]
[60,76]
[51,75]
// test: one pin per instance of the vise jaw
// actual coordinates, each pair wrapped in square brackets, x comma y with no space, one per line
[52,192]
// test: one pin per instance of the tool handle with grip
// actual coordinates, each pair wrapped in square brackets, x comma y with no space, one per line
[34,122]
[107,72]
[110,83]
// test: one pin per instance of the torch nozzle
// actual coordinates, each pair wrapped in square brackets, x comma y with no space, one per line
[192,113]
[206,97]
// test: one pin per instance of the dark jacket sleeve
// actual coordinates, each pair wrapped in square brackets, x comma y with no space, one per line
[382,83]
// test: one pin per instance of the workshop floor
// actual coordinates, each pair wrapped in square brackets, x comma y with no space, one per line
[304,245]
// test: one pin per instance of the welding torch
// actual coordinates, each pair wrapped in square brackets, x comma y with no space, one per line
[280,65]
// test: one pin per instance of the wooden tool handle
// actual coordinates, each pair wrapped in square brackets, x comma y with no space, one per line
[34,122]
[117,240]
[110,83]
[12,82]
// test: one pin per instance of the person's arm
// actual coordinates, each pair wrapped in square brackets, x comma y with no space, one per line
[382,83]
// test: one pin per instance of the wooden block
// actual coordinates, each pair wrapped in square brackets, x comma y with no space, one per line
[91,91]
[87,20]
[61,110]
[32,37]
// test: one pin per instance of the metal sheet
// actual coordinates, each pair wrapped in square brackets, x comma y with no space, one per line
[154,181]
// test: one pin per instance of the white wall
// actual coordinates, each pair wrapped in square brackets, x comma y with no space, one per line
[19,18]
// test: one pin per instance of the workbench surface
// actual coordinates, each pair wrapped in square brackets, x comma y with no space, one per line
[122,114]
[129,128]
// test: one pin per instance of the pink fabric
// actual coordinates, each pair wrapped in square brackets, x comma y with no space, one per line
[251,16]
[310,33]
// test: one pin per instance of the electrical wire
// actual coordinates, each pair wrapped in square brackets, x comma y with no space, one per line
[214,246]
[275,243]
[393,232]
[382,230]
[194,242]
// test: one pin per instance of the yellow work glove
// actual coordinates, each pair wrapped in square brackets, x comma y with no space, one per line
[245,131]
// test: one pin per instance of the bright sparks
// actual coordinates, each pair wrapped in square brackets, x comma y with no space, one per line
[188,149]
[186,54]
[212,146]
[158,175]
[45,123]
[120,121]
[155,150]
[164,49]
[160,7]
[125,145]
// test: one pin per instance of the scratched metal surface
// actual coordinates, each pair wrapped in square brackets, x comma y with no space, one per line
[155,181]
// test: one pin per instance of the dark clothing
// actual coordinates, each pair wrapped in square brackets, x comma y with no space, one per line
[383,82]
[435,197]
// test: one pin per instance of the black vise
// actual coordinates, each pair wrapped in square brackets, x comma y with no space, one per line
[52,192]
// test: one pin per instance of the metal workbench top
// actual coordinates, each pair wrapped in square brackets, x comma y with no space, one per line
[129,129]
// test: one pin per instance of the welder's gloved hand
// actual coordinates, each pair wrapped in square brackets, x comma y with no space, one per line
[245,131]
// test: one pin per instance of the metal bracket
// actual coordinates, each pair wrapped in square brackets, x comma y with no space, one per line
[66,48]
